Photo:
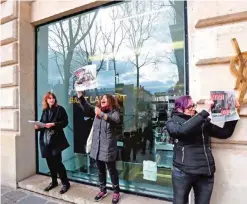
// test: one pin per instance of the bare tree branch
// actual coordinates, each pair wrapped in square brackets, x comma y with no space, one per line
[63,32]
[61,40]
[166,56]
[145,62]
[89,28]
[56,60]
[78,28]
[71,39]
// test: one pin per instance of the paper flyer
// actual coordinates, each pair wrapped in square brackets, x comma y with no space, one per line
[150,170]
[85,78]
[224,108]
[37,123]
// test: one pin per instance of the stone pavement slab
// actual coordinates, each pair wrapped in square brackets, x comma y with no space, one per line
[5,200]
[15,195]
[4,190]
[20,196]
[32,200]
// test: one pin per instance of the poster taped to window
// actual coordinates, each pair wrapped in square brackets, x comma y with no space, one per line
[150,170]
[85,78]
[224,108]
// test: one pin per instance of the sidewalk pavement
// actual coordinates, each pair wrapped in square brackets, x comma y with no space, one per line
[12,196]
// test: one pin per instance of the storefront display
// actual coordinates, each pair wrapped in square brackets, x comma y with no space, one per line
[138,58]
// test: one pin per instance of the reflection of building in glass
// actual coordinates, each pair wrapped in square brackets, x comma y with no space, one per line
[177,35]
[129,104]
[162,106]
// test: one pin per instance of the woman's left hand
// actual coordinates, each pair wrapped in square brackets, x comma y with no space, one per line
[98,112]
[237,104]
[49,125]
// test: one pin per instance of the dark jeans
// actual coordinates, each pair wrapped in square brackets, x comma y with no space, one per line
[56,167]
[111,166]
[183,183]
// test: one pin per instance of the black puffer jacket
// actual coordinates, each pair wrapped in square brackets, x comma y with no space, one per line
[192,152]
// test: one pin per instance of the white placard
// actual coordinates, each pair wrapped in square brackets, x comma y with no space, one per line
[150,170]
[37,123]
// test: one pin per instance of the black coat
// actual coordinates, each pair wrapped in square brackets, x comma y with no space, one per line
[192,146]
[104,144]
[82,129]
[58,116]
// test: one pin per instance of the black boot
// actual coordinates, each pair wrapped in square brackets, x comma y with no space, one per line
[65,188]
[51,186]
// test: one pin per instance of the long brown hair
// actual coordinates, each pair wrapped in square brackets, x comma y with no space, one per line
[113,102]
[49,94]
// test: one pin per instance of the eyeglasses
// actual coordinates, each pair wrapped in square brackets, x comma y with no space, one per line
[192,106]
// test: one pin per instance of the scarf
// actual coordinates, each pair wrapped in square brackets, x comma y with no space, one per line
[105,110]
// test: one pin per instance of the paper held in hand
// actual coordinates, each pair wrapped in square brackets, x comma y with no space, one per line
[85,78]
[37,123]
[224,108]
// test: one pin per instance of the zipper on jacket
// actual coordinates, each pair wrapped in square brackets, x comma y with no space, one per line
[204,147]
[183,155]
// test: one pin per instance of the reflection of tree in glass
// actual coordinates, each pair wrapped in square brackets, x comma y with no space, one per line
[116,35]
[64,38]
[140,28]
[90,47]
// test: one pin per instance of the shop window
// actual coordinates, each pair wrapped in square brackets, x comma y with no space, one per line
[138,48]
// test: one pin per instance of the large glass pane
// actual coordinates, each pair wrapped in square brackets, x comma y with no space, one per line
[138,49]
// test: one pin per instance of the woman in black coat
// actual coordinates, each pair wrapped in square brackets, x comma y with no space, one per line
[55,118]
[193,162]
[104,144]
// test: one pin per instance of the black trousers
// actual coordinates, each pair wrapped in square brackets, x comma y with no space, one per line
[111,166]
[56,167]
[183,183]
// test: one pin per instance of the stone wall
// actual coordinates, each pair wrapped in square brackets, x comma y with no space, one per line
[17,92]
[210,41]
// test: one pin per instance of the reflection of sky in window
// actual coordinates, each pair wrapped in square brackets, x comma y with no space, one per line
[158,76]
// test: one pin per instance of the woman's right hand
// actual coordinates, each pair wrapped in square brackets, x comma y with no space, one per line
[79,94]
[36,127]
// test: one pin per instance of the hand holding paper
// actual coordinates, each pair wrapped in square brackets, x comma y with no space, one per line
[49,125]
[209,104]
[79,94]
[37,124]
[237,104]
